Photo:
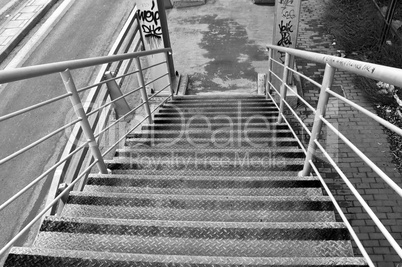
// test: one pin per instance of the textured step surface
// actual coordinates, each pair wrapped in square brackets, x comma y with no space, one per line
[198,143]
[214,182]
[191,246]
[156,213]
[22,257]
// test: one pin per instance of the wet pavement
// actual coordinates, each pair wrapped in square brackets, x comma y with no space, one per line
[221,45]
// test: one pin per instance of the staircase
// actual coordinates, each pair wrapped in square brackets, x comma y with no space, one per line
[213,182]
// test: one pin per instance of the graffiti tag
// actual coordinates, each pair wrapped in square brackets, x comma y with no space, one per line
[149,19]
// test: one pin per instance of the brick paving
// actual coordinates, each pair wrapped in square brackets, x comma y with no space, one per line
[365,133]
[20,23]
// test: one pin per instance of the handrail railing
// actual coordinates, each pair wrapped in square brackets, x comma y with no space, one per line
[373,71]
[93,122]
[13,75]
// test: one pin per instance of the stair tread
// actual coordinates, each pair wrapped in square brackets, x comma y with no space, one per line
[192,214]
[203,230]
[214,172]
[197,224]
[211,150]
[206,191]
[200,197]
[130,259]
[268,177]
[193,246]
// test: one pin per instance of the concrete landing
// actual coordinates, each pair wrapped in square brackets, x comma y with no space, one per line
[221,44]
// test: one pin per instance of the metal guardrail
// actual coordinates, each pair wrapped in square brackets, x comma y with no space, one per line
[374,71]
[90,123]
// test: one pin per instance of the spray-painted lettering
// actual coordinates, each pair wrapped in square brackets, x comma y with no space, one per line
[149,19]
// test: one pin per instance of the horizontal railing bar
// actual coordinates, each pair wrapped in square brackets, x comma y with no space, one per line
[41,140]
[39,216]
[160,91]
[290,128]
[276,76]
[273,87]
[277,62]
[39,178]
[370,212]
[25,110]
[154,65]
[294,134]
[343,217]
[372,165]
[154,80]
[50,68]
[105,81]
[373,71]
[305,77]
[368,113]
[160,104]
[301,99]
[120,119]
[113,101]
[121,139]
[297,117]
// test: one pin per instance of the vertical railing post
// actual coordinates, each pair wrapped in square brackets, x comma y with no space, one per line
[321,109]
[143,90]
[86,127]
[283,89]
[269,74]
[169,74]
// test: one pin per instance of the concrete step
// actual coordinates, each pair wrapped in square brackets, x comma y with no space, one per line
[57,258]
[207,133]
[182,163]
[215,126]
[203,143]
[198,230]
[205,154]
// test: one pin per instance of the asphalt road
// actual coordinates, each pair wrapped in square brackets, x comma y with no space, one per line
[88,29]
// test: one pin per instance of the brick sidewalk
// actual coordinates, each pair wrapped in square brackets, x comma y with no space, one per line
[365,133]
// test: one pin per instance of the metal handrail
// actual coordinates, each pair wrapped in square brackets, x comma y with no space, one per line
[374,71]
[93,127]
[13,75]
[370,70]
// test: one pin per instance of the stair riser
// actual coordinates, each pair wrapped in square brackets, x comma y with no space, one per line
[205,191]
[208,143]
[224,121]
[181,163]
[217,110]
[179,231]
[212,116]
[204,155]
[215,126]
[191,135]
[202,184]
